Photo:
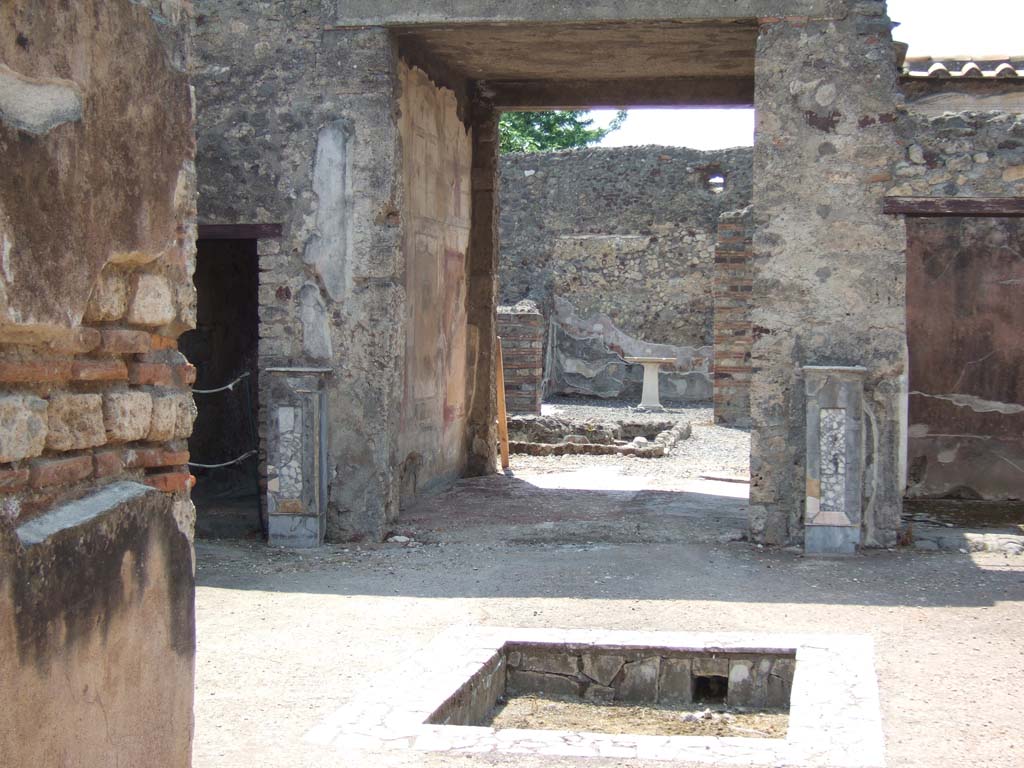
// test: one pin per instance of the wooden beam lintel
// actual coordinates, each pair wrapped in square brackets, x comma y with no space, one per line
[239,231]
[954,206]
[528,95]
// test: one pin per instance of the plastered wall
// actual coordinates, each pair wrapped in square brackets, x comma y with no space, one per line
[436,159]
[97,249]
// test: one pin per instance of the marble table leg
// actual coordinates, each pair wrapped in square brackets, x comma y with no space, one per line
[650,399]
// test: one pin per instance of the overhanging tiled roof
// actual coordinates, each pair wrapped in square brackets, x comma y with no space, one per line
[965,66]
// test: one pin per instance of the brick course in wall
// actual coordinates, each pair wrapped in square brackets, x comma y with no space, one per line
[733,284]
[72,423]
[522,334]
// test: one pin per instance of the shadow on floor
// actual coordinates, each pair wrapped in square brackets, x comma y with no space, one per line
[504,537]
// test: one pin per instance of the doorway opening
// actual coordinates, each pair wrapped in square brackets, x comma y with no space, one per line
[223,347]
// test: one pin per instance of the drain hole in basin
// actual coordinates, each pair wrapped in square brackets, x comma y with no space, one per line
[710,689]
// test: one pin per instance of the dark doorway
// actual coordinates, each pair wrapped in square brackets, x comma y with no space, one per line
[223,347]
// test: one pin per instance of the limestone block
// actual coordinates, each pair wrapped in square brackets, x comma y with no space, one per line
[164,422]
[152,300]
[127,415]
[22,427]
[186,416]
[75,421]
[109,299]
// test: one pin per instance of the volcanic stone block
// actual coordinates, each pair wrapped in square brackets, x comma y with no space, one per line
[640,681]
[779,684]
[554,661]
[600,694]
[539,682]
[602,668]
[675,684]
[710,666]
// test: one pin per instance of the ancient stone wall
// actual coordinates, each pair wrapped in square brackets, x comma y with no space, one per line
[97,236]
[625,233]
[299,127]
[829,266]
[436,164]
[963,154]
[733,286]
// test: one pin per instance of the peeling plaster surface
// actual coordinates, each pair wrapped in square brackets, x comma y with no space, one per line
[977,404]
[316,333]
[37,105]
[329,249]
[117,92]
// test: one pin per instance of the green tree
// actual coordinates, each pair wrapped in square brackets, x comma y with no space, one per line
[554,129]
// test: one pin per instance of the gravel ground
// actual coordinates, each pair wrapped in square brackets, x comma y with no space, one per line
[286,638]
[712,450]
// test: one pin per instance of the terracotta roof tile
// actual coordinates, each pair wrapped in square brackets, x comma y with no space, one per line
[964,66]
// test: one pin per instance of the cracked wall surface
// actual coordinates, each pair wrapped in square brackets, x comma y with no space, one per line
[97,252]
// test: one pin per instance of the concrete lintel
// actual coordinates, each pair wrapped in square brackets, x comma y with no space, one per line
[74,513]
[362,13]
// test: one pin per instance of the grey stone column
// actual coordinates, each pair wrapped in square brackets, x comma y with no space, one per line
[829,266]
[835,458]
[296,497]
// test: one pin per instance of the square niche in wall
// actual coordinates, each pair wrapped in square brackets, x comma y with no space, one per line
[722,698]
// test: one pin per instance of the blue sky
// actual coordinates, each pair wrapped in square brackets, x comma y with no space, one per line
[931,27]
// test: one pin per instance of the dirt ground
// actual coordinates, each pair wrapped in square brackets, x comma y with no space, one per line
[551,713]
[285,638]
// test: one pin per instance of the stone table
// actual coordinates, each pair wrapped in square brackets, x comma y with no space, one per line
[649,399]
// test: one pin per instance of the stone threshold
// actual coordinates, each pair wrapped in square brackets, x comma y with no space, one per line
[662,444]
[834,716]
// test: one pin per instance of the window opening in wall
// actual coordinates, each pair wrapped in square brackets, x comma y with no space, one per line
[715,183]
[223,347]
